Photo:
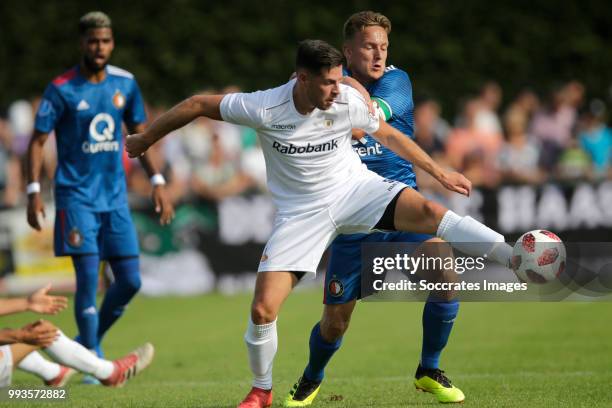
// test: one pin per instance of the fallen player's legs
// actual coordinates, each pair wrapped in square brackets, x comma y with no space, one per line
[72,354]
[37,365]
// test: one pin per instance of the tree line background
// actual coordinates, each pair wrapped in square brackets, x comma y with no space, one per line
[449,48]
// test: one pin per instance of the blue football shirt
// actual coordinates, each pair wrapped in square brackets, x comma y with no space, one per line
[392,94]
[87,119]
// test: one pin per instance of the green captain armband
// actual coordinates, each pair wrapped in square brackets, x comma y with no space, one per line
[383,108]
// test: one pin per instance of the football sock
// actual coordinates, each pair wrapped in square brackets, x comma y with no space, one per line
[464,232]
[36,364]
[86,267]
[321,352]
[72,354]
[127,283]
[262,343]
[438,318]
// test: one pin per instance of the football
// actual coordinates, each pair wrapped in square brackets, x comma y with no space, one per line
[538,257]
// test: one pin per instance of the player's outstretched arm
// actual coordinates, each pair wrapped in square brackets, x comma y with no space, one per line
[33,167]
[38,302]
[407,149]
[177,117]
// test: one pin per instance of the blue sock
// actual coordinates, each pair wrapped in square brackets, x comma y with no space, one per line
[320,353]
[85,312]
[438,318]
[127,283]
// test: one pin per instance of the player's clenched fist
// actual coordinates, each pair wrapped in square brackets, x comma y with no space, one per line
[35,207]
[136,145]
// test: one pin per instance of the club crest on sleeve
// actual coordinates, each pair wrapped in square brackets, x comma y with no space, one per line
[45,108]
[335,288]
[118,99]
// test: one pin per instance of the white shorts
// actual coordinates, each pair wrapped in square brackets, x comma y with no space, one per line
[298,241]
[6,366]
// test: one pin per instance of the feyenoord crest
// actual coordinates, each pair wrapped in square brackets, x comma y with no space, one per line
[75,239]
[335,288]
[118,99]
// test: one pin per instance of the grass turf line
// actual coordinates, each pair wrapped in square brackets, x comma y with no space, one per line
[499,354]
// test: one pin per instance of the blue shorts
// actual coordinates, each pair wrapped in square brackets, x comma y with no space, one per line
[110,234]
[343,276]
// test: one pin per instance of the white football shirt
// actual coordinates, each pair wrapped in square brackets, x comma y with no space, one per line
[309,158]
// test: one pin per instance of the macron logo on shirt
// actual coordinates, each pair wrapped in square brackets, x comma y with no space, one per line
[309,148]
[283,127]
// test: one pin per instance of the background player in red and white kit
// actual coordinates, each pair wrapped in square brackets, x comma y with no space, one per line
[320,187]
[366,46]
[86,107]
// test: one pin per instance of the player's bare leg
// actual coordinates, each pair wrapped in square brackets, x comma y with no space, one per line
[271,290]
[72,354]
[26,358]
[415,213]
[335,320]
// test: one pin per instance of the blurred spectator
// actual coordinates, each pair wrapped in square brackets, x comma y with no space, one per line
[217,159]
[486,119]
[596,138]
[574,163]
[139,184]
[430,130]
[10,169]
[519,156]
[219,177]
[21,119]
[553,125]
[472,150]
[526,102]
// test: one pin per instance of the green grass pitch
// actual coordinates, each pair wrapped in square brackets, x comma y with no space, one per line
[499,354]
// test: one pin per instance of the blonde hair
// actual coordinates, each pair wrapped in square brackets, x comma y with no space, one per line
[359,21]
[94,19]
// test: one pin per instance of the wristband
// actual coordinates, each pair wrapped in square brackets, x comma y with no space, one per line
[33,188]
[158,180]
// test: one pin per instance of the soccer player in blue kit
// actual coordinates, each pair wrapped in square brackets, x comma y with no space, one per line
[365,49]
[86,107]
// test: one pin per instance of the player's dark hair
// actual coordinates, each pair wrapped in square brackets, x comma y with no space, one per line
[315,55]
[94,19]
[359,21]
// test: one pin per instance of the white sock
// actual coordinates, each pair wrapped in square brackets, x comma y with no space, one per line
[36,364]
[72,354]
[262,342]
[462,232]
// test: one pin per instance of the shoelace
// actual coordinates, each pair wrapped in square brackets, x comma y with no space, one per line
[304,387]
[439,376]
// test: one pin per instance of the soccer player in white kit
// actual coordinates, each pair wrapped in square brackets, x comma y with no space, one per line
[319,185]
